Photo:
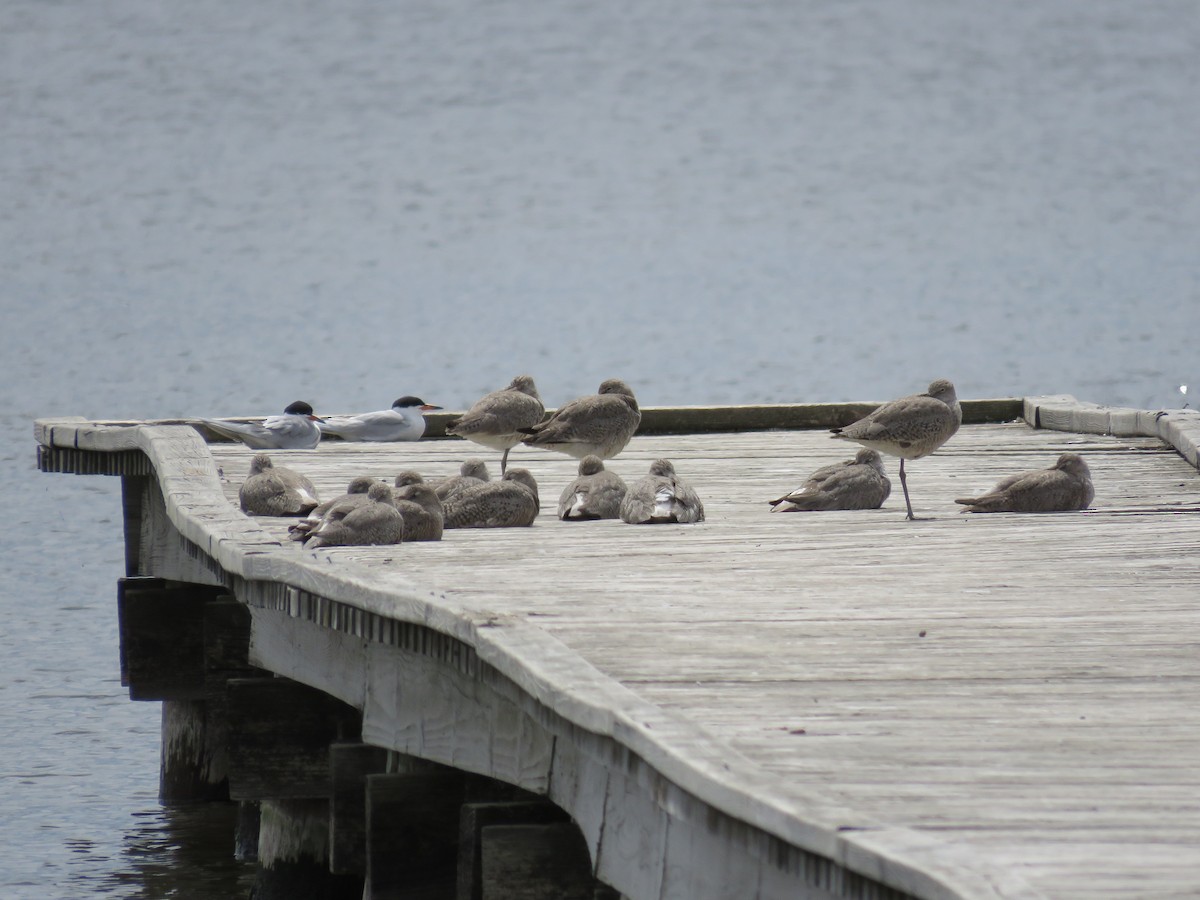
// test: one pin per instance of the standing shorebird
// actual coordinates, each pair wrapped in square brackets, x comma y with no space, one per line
[1066,485]
[661,496]
[909,428]
[857,483]
[599,425]
[403,422]
[271,490]
[596,494]
[296,429]
[499,419]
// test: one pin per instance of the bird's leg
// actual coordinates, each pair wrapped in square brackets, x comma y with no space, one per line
[504,461]
[904,485]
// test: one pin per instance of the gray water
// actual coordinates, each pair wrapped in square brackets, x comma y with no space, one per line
[215,208]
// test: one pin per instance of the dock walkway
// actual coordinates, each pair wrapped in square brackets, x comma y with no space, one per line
[966,706]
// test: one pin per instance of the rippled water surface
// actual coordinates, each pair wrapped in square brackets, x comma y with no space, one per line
[215,208]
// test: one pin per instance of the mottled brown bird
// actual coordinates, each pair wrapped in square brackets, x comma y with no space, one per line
[858,483]
[1066,485]
[910,428]
[271,490]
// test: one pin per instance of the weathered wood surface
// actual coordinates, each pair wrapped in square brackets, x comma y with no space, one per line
[1004,703]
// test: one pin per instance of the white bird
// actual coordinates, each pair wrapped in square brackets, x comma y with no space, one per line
[910,428]
[271,490]
[597,425]
[498,420]
[403,422]
[857,483]
[296,429]
[661,496]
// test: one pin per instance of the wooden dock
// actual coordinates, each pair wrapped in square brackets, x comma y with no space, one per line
[840,704]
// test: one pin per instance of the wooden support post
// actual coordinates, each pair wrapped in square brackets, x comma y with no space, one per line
[280,732]
[162,637]
[477,816]
[179,644]
[349,766]
[192,759]
[293,854]
[535,862]
[412,834]
[246,837]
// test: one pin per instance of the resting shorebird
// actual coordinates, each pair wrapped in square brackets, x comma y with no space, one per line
[661,496]
[470,473]
[377,521]
[910,428]
[857,483]
[599,425]
[498,419]
[511,501]
[275,491]
[1066,485]
[422,512]
[403,422]
[296,429]
[356,494]
[596,494]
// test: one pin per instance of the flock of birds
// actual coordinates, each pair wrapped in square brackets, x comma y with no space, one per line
[592,429]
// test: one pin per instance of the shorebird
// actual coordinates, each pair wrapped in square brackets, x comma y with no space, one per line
[598,425]
[296,429]
[910,428]
[472,472]
[661,496]
[377,521]
[511,501]
[407,477]
[1066,485]
[271,490]
[403,422]
[422,512]
[356,494]
[857,483]
[498,419]
[596,494]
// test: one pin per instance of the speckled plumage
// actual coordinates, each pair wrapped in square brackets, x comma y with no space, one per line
[271,490]
[356,494]
[376,521]
[601,424]
[422,512]
[511,501]
[661,496]
[910,428]
[1066,485]
[472,472]
[858,483]
[595,494]
[498,419]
